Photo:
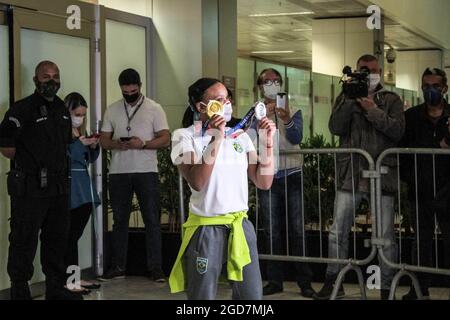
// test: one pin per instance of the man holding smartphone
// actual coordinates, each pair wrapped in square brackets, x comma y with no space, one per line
[134,128]
[285,196]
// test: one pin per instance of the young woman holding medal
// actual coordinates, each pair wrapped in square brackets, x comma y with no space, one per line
[217,165]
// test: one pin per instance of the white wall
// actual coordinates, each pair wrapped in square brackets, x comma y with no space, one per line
[178,53]
[411,65]
[416,14]
[140,7]
[339,42]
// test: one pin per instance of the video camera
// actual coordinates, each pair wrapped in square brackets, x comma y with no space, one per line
[355,84]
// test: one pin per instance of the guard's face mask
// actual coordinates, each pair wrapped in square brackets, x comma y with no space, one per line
[48,89]
[433,96]
[130,98]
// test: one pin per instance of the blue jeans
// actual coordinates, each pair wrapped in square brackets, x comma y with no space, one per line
[121,190]
[273,214]
[344,205]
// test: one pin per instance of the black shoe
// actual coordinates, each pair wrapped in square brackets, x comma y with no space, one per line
[157,275]
[94,286]
[411,295]
[20,291]
[327,290]
[62,294]
[272,288]
[114,273]
[307,291]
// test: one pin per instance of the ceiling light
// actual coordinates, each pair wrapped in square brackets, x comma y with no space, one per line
[301,30]
[272,52]
[259,15]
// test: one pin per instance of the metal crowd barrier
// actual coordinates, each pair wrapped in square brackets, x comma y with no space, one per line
[374,174]
[348,263]
[409,269]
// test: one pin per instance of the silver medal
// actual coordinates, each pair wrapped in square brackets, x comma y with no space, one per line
[260,111]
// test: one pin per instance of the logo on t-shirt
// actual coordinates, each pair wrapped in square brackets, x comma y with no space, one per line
[238,147]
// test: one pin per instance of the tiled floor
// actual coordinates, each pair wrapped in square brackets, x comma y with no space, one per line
[137,288]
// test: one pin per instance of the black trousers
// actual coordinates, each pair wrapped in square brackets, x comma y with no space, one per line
[425,235]
[30,215]
[79,218]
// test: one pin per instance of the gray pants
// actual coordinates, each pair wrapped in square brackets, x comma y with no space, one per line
[207,254]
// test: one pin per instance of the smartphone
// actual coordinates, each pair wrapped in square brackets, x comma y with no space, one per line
[124,139]
[95,135]
[281,100]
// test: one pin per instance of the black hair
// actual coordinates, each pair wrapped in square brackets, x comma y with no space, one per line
[196,93]
[366,58]
[74,100]
[42,64]
[436,72]
[259,82]
[129,76]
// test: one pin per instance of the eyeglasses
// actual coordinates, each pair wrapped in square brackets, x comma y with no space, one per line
[269,82]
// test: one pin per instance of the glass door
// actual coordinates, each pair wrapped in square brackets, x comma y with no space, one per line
[40,36]
[4,163]
[127,45]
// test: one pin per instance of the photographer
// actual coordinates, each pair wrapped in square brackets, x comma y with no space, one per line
[373,123]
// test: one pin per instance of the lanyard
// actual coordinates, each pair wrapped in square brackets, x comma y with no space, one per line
[132,116]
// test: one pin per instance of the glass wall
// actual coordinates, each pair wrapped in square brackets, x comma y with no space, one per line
[299,96]
[245,86]
[4,163]
[316,108]
[322,95]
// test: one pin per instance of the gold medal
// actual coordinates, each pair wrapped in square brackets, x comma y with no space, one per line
[214,107]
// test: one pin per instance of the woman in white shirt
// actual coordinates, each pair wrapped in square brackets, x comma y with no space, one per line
[217,169]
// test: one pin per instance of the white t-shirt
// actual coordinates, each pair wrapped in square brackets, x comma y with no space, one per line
[149,119]
[227,189]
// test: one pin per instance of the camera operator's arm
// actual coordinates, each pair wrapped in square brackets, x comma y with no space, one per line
[390,121]
[341,116]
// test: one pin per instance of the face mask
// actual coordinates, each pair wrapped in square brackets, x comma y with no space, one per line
[271,91]
[374,81]
[433,96]
[77,121]
[48,89]
[130,98]
[227,111]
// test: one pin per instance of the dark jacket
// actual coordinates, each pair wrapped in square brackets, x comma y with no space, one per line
[421,132]
[41,132]
[374,132]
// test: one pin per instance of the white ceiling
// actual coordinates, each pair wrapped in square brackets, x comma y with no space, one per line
[293,33]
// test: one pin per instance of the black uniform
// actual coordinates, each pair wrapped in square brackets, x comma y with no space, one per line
[39,187]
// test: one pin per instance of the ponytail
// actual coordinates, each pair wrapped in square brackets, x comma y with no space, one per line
[188,118]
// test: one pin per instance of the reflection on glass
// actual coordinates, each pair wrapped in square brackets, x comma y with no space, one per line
[322,104]
[299,96]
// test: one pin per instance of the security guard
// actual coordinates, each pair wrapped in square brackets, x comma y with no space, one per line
[35,133]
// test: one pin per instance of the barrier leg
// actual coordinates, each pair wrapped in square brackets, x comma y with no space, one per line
[340,279]
[396,280]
